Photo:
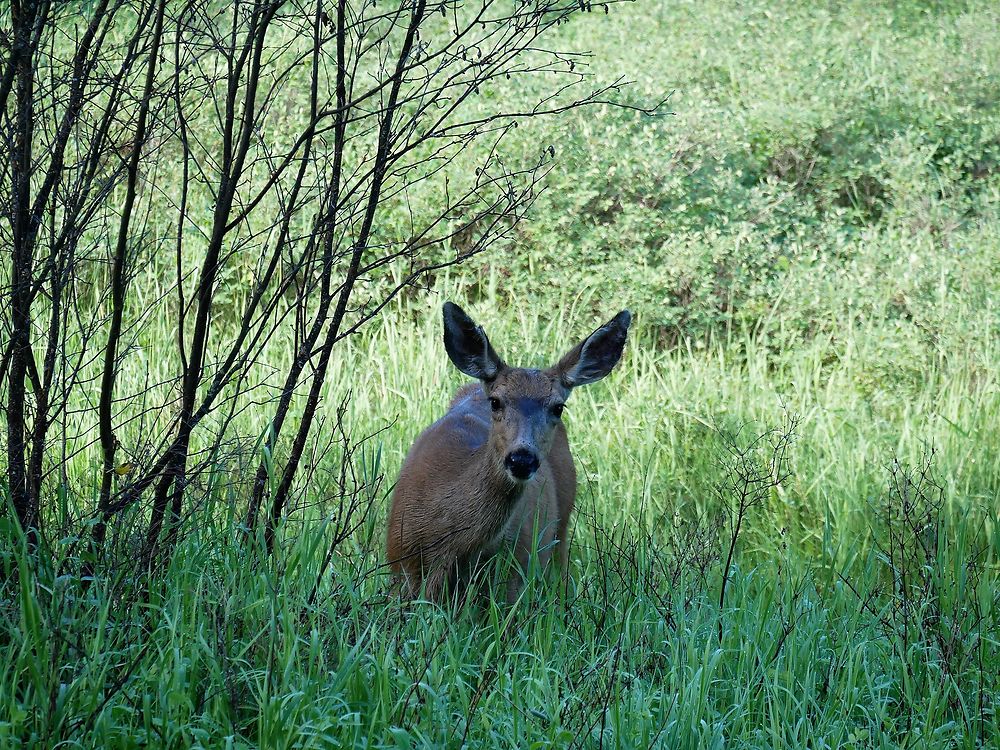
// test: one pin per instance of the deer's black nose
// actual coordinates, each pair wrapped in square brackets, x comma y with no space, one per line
[522,463]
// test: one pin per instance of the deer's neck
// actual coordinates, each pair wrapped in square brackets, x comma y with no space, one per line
[493,494]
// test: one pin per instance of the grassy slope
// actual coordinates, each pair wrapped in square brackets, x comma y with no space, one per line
[814,232]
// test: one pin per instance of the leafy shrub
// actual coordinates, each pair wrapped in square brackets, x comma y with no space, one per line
[809,147]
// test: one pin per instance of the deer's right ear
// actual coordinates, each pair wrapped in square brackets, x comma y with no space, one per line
[467,345]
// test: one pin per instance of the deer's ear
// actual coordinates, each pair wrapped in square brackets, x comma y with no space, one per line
[467,345]
[593,358]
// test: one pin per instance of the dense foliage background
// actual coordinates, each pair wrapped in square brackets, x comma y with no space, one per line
[810,241]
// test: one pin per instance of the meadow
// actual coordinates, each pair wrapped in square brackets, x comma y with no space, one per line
[788,518]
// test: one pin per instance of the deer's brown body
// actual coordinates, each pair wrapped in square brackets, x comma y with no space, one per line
[495,474]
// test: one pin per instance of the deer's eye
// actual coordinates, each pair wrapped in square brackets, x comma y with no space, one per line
[496,405]
[557,410]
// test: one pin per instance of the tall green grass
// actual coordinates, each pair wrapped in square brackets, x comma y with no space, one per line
[230,651]
[812,239]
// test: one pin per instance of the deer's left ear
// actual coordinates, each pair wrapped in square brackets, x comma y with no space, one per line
[595,356]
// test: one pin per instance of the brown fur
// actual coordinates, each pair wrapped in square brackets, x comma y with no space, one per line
[454,506]
[457,502]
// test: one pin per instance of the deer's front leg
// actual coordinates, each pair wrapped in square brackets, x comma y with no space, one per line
[515,579]
[523,544]
[434,583]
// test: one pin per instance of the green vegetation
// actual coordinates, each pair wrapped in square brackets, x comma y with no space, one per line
[812,246]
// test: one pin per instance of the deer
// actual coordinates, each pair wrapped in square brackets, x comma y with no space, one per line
[495,474]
